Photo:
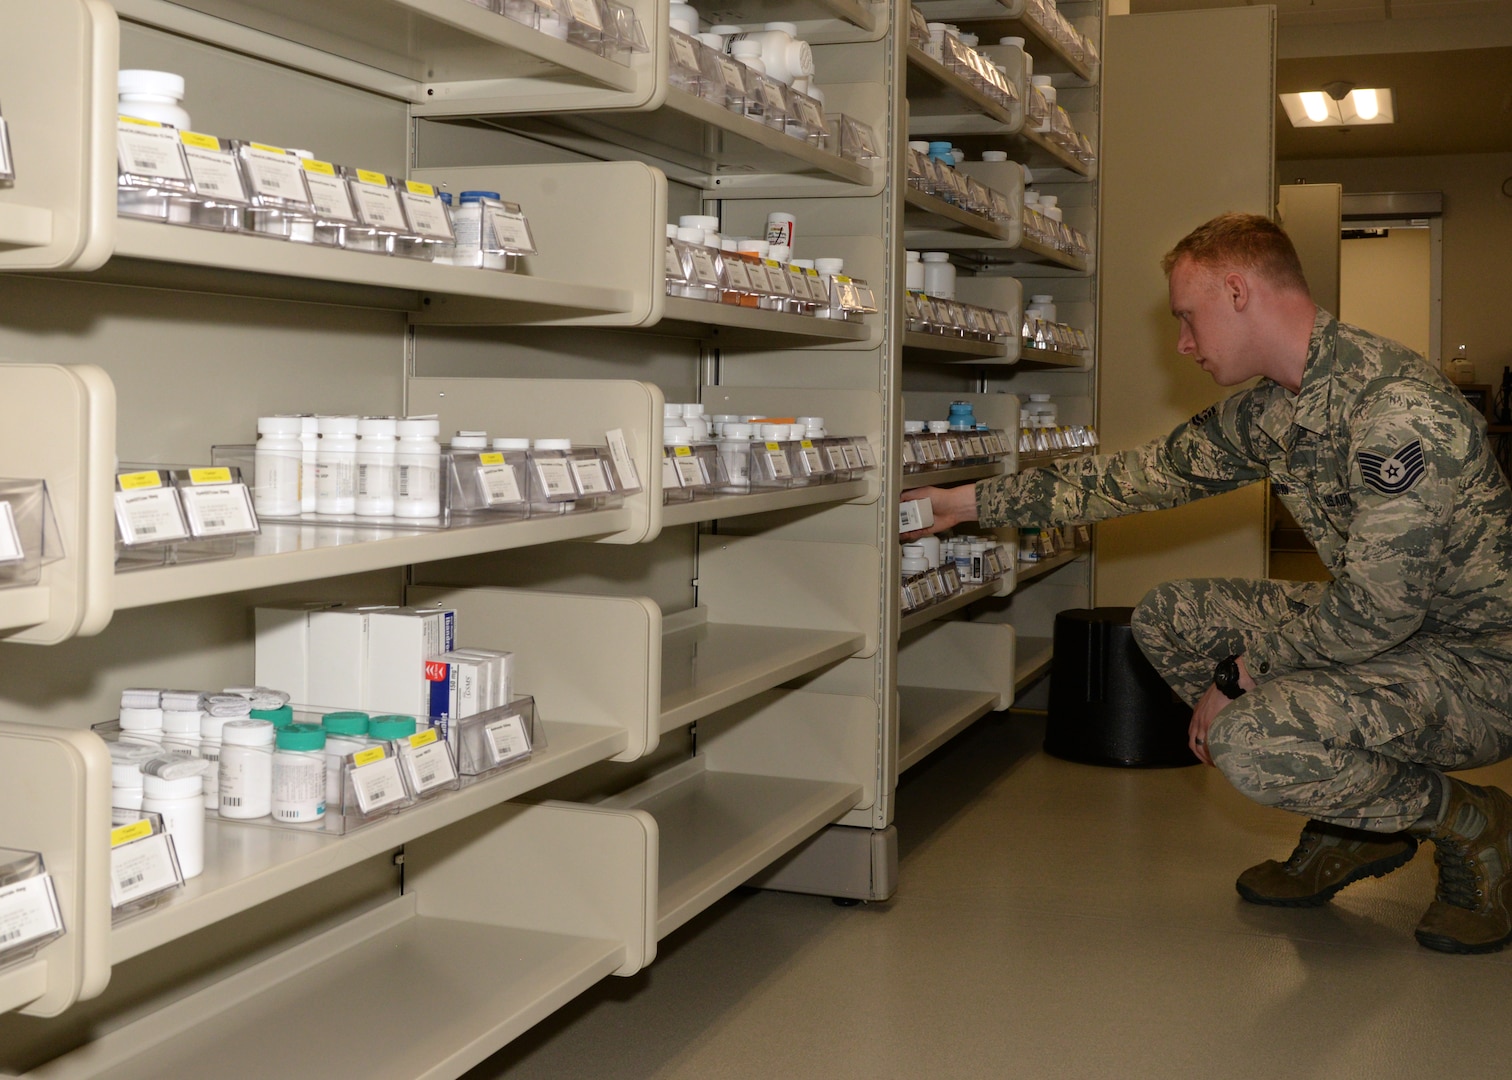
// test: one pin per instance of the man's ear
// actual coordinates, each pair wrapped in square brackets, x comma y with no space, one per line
[1236,289]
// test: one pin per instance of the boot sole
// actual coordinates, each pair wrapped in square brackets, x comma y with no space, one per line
[1377,869]
[1439,943]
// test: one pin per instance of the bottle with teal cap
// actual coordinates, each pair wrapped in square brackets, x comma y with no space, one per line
[299,773]
[346,733]
[391,728]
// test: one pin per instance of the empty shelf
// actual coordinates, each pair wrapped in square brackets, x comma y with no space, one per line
[711,666]
[247,864]
[759,502]
[402,995]
[285,553]
[1028,571]
[1034,656]
[929,717]
[719,828]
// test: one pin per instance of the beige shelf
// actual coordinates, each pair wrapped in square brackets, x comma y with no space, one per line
[692,140]
[994,19]
[1029,571]
[246,865]
[751,328]
[952,228]
[966,597]
[928,718]
[936,477]
[1033,663]
[941,349]
[729,506]
[283,554]
[24,605]
[709,666]
[818,20]
[164,256]
[1051,359]
[483,986]
[719,828]
[422,42]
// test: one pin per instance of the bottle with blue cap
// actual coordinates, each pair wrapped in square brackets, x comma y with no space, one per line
[962,416]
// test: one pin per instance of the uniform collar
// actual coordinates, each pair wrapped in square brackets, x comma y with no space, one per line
[1308,407]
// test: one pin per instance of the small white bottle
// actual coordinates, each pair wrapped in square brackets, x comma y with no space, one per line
[309,441]
[152,95]
[182,713]
[141,716]
[417,469]
[470,440]
[376,445]
[939,275]
[173,787]
[336,466]
[126,785]
[299,774]
[913,272]
[276,465]
[210,752]
[246,769]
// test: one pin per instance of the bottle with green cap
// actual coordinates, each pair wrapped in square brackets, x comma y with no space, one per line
[299,773]
[346,733]
[391,728]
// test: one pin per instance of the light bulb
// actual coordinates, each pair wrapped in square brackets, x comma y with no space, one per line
[1315,105]
[1365,104]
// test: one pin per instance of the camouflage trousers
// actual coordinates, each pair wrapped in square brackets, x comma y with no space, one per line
[1355,745]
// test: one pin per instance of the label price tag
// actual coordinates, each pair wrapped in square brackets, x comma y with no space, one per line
[761,281]
[556,478]
[10,539]
[328,192]
[149,516]
[864,451]
[510,229]
[214,173]
[624,464]
[670,479]
[141,868]
[852,456]
[275,174]
[684,53]
[219,510]
[377,783]
[591,479]
[837,457]
[703,267]
[735,270]
[428,761]
[147,148]
[690,472]
[777,461]
[427,214]
[733,71]
[777,278]
[499,484]
[507,740]
[378,206]
[587,13]
[28,911]
[811,458]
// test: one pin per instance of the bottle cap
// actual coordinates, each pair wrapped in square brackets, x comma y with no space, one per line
[791,29]
[477,196]
[179,787]
[754,247]
[671,231]
[391,727]
[248,733]
[689,235]
[279,425]
[345,723]
[337,425]
[139,697]
[126,774]
[912,256]
[470,440]
[937,256]
[445,197]
[913,427]
[994,155]
[677,435]
[511,444]
[772,431]
[939,427]
[418,428]
[140,81]
[830,266]
[1042,298]
[736,430]
[377,427]
[141,719]
[281,717]
[745,49]
[301,737]
[698,221]
[552,444]
[803,264]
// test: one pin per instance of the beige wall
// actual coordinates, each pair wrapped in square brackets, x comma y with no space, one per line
[1477,252]
[1385,285]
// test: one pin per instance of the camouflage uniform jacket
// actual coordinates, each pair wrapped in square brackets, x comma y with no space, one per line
[1390,474]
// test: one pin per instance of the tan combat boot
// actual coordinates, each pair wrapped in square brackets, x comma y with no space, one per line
[1472,910]
[1327,858]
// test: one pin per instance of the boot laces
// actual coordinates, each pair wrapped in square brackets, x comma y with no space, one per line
[1305,846]
[1459,884]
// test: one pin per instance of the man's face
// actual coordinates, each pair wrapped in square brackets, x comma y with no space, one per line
[1212,331]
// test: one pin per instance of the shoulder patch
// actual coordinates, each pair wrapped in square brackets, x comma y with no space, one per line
[1204,416]
[1393,475]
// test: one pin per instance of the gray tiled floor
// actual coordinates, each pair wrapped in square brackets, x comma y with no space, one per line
[1053,920]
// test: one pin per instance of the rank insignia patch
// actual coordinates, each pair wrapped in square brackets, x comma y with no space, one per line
[1395,474]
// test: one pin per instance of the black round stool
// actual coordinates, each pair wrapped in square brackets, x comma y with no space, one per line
[1108,704]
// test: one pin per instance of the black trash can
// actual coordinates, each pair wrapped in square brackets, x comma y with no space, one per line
[1108,704]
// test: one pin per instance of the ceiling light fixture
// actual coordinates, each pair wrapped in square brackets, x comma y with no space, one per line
[1339,104]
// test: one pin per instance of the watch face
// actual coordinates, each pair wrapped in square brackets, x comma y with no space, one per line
[1226,676]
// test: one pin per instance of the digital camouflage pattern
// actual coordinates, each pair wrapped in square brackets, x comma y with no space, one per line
[1402,663]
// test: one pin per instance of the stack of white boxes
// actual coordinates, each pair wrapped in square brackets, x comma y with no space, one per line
[380,659]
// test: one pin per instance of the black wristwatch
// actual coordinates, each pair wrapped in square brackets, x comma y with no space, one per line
[1226,677]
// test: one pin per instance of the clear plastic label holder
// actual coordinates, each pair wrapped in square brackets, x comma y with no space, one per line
[144,866]
[495,740]
[331,200]
[496,482]
[151,174]
[29,536]
[147,509]
[276,183]
[29,912]
[428,765]
[216,502]
[220,199]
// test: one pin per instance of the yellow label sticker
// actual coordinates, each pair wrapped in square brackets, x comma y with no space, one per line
[683,451]
[368,756]
[842,279]
[209,476]
[423,738]
[136,481]
[324,168]
[810,271]
[417,188]
[490,459]
[773,447]
[267,149]
[125,834]
[204,142]
[139,121]
[368,176]
[806,444]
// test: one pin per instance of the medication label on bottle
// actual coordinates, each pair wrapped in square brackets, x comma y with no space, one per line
[591,479]
[511,230]
[624,464]
[500,488]
[28,911]
[148,148]
[428,761]
[275,173]
[149,516]
[507,740]
[11,549]
[219,510]
[328,193]
[377,783]
[141,868]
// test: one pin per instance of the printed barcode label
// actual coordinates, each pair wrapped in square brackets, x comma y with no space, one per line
[135,879]
[219,510]
[142,868]
[28,910]
[150,514]
[507,739]
[377,784]
[231,800]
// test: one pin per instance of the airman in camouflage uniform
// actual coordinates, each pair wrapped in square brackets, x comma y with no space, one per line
[1364,690]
